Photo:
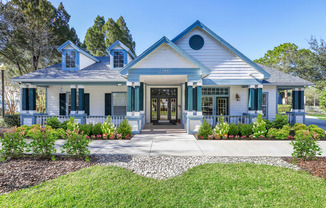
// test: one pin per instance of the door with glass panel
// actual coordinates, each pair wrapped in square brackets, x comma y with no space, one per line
[208,106]
[222,105]
[163,105]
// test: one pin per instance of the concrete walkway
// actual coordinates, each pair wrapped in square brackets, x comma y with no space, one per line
[182,144]
[314,120]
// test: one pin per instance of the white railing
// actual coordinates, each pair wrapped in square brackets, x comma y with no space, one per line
[245,119]
[41,119]
[116,120]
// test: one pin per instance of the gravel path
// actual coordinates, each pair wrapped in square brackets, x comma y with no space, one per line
[163,167]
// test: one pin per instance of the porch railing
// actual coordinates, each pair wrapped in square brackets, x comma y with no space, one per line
[245,119]
[41,119]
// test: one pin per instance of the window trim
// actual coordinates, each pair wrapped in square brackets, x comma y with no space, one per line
[112,102]
[267,94]
[222,96]
[64,55]
[125,55]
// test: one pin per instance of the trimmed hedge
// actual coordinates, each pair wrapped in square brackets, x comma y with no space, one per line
[12,120]
[284,108]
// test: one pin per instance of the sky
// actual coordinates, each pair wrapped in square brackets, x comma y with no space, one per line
[253,27]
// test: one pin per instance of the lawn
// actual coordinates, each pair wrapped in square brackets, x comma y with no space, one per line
[210,185]
[320,116]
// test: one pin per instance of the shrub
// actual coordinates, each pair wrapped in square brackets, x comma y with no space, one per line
[222,127]
[279,133]
[96,129]
[299,126]
[76,144]
[23,130]
[64,125]
[319,131]
[234,130]
[259,127]
[12,120]
[86,129]
[72,125]
[205,130]
[268,124]
[284,108]
[312,126]
[108,127]
[305,146]
[13,144]
[53,122]
[245,129]
[61,133]
[124,129]
[280,121]
[43,141]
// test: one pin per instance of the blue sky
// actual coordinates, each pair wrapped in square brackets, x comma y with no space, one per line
[253,27]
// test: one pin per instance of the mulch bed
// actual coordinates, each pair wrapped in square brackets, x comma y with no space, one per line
[316,167]
[30,171]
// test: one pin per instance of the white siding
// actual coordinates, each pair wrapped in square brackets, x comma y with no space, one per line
[164,57]
[237,108]
[222,62]
[271,101]
[96,94]
[84,61]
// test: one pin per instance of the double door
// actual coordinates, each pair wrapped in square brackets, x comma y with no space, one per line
[215,105]
[164,109]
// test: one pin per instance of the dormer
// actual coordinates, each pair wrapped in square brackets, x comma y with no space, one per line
[120,55]
[75,58]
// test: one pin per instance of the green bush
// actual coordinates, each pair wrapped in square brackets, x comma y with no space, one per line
[268,124]
[53,122]
[259,127]
[305,146]
[319,131]
[72,125]
[205,130]
[76,144]
[245,129]
[124,129]
[222,127]
[279,133]
[64,125]
[12,120]
[107,127]
[43,140]
[280,121]
[284,108]
[86,129]
[13,144]
[312,126]
[23,130]
[96,129]
[234,130]
[299,126]
[61,133]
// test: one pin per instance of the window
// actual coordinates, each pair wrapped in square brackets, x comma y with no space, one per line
[68,98]
[264,105]
[215,91]
[118,59]
[119,103]
[70,59]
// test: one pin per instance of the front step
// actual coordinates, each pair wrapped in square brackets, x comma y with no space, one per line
[163,129]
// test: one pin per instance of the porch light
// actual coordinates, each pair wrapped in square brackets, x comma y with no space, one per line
[237,96]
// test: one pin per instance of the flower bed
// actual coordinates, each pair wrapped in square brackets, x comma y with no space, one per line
[261,129]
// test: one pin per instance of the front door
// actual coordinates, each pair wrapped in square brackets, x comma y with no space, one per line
[163,105]
[222,106]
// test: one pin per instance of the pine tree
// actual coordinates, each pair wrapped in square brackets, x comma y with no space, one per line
[94,39]
[112,32]
[126,36]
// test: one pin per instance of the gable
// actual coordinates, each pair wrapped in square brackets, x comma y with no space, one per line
[164,57]
[223,63]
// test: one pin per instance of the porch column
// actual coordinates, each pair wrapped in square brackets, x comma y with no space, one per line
[32,99]
[137,84]
[24,101]
[199,99]
[129,97]
[194,98]
[73,109]
[141,97]
[298,99]
[251,103]
[190,93]
[81,100]
[260,99]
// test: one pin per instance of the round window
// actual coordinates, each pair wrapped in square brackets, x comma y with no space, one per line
[196,42]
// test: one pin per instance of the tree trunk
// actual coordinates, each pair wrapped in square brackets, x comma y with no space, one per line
[286,98]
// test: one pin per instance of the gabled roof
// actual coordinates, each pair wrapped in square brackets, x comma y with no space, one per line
[68,42]
[164,39]
[224,43]
[122,46]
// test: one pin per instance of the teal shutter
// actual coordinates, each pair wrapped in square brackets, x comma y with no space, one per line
[25,99]
[194,98]
[62,103]
[141,97]
[186,96]
[86,103]
[259,99]
[108,104]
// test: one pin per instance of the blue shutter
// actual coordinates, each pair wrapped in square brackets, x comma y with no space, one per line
[108,104]
[86,103]
[141,97]
[62,103]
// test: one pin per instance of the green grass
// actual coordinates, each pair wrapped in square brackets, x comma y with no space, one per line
[210,185]
[320,116]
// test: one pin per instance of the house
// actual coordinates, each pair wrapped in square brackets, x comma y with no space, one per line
[195,75]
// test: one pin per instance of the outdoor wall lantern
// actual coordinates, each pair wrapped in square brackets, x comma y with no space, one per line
[237,96]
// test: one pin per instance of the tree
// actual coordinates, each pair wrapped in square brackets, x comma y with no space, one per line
[114,31]
[30,32]
[94,39]
[319,51]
